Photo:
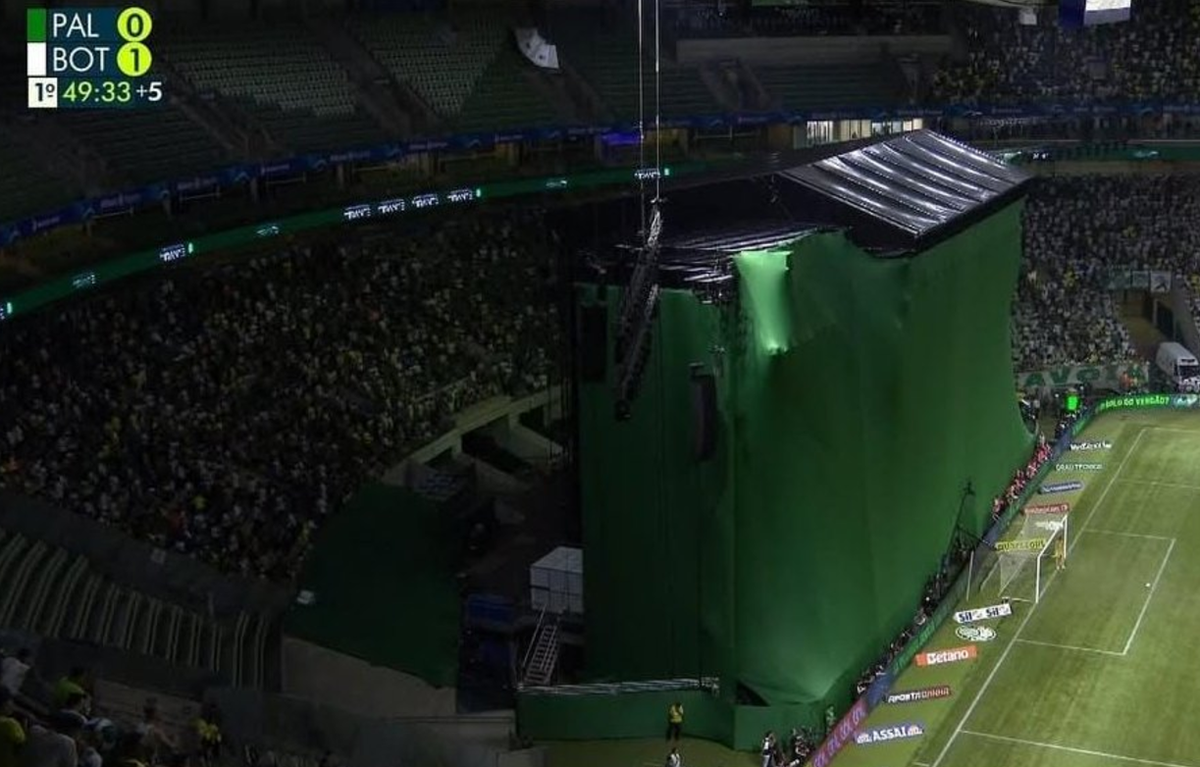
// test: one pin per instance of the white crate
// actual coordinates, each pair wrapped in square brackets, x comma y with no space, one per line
[556,581]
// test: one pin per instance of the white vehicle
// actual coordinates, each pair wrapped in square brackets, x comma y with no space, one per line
[1179,366]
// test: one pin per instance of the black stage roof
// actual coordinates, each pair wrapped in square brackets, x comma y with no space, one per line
[893,196]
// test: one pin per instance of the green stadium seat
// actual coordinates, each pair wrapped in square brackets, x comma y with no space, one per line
[144,146]
[281,78]
[607,57]
[472,77]
[830,87]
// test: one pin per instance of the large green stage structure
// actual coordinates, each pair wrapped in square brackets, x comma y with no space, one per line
[862,411]
[382,584]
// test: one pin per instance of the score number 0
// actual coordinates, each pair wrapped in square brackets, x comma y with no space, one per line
[133,57]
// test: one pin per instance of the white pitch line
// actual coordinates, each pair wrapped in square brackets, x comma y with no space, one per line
[1156,483]
[1131,535]
[1193,432]
[1073,750]
[1071,647]
[1025,621]
[1153,588]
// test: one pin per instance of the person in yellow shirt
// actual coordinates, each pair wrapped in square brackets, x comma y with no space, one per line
[1060,554]
[12,734]
[208,734]
[675,722]
[69,686]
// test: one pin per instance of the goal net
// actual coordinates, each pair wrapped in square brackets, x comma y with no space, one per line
[1020,568]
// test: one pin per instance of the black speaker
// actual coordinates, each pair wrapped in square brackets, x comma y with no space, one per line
[593,342]
[704,414]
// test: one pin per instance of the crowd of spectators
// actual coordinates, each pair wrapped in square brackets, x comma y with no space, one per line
[1150,58]
[63,723]
[1080,231]
[800,745]
[225,411]
[892,17]
[1022,478]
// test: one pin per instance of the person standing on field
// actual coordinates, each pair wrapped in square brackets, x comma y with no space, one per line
[675,722]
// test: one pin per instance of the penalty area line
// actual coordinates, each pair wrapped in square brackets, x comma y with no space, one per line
[1158,483]
[1075,648]
[1130,535]
[1025,621]
[1073,750]
[1149,596]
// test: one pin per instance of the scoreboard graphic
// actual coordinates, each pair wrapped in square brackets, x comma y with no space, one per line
[90,58]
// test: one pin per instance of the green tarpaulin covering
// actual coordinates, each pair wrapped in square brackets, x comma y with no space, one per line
[858,397]
[383,575]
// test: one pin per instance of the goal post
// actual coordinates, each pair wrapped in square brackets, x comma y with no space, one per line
[1019,569]
[1052,556]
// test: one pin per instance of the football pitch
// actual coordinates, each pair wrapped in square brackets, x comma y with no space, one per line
[1103,671]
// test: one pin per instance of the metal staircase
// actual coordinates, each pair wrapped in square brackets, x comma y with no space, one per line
[542,659]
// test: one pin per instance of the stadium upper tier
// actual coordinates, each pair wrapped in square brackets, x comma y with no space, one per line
[1151,58]
[280,78]
[139,147]
[443,63]
[242,93]
[823,87]
[28,185]
[606,54]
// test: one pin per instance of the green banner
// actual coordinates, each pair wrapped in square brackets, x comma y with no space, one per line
[1102,376]
[1178,401]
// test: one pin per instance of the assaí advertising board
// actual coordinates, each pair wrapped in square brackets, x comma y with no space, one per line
[889,733]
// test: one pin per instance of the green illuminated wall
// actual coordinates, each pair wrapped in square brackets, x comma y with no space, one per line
[858,396]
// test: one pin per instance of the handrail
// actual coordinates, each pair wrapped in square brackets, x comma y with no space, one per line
[705,684]
[537,630]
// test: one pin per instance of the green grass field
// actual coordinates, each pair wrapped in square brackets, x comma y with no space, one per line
[1099,673]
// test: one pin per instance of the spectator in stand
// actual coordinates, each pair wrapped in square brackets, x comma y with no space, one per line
[55,745]
[225,412]
[802,20]
[130,752]
[71,688]
[12,732]
[160,745]
[208,734]
[1078,232]
[1150,58]
[77,703]
[14,669]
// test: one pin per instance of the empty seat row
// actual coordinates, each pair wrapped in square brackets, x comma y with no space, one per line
[51,593]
